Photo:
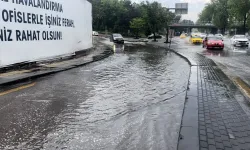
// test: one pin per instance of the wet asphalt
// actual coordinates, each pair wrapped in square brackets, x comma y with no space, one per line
[131,100]
[233,60]
[212,91]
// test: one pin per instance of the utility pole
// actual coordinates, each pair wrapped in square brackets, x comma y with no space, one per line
[180,8]
[167,35]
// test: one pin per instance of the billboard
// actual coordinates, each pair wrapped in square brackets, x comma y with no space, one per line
[33,30]
[181,8]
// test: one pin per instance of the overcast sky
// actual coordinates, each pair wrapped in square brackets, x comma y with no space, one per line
[195,6]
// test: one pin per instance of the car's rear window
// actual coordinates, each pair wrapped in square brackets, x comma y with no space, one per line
[214,38]
[196,36]
[117,35]
[240,36]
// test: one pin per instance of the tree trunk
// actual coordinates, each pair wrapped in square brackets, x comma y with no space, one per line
[136,34]
[154,33]
[223,30]
[244,26]
[154,36]
[167,35]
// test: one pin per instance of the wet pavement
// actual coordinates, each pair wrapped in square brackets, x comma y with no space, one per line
[131,100]
[233,60]
[216,114]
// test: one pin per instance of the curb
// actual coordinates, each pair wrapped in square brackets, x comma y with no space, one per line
[182,56]
[101,56]
[183,143]
[243,87]
[30,65]
[187,128]
[177,53]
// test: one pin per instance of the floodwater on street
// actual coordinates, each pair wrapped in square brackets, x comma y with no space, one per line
[131,100]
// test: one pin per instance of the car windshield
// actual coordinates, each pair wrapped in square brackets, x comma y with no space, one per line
[196,36]
[240,36]
[117,35]
[214,38]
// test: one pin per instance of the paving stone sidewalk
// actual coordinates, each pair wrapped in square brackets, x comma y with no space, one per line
[223,124]
[213,119]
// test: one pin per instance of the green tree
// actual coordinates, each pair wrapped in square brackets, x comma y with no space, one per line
[154,15]
[137,24]
[116,15]
[221,14]
[240,10]
[216,12]
[207,14]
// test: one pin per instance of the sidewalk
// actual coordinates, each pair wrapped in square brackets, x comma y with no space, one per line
[214,116]
[99,52]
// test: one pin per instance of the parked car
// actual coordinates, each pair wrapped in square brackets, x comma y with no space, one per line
[117,38]
[156,35]
[240,40]
[211,42]
[195,39]
[95,33]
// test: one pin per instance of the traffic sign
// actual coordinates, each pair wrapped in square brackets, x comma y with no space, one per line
[181,8]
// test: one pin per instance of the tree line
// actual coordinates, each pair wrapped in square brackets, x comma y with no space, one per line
[227,14]
[126,17]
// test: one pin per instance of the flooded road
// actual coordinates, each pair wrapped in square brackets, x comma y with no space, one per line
[131,100]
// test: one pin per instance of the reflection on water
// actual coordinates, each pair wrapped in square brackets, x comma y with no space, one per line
[117,48]
[220,53]
[227,52]
[131,100]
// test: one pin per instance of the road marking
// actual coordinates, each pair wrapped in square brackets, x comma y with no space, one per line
[56,64]
[13,73]
[243,86]
[17,89]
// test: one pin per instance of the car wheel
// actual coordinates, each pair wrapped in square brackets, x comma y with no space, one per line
[206,47]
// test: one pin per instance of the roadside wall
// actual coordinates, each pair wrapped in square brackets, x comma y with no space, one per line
[33,30]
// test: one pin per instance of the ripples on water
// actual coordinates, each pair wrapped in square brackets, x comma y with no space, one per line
[132,100]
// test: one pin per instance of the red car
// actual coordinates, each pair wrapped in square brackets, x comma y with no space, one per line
[213,42]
